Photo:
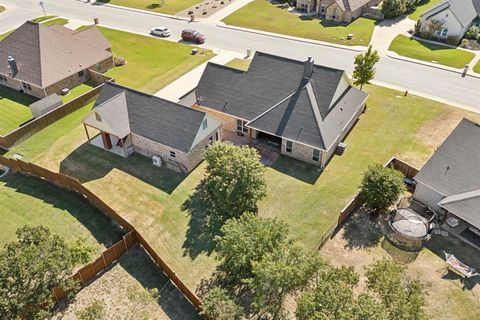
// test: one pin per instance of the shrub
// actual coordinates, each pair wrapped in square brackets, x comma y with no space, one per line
[94,311]
[464,43]
[394,8]
[473,32]
[452,40]
[119,61]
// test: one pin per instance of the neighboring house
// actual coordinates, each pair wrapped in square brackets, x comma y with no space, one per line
[457,17]
[42,60]
[449,183]
[341,11]
[304,109]
[131,121]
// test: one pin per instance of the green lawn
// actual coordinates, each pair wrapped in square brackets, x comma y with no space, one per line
[165,6]
[39,20]
[262,15]
[14,109]
[60,21]
[2,8]
[476,68]
[77,91]
[30,201]
[423,7]
[151,63]
[155,199]
[415,49]
[240,64]
[43,18]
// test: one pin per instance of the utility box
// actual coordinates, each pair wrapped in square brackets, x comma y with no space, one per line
[341,148]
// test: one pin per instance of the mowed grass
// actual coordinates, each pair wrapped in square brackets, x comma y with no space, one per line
[151,63]
[2,8]
[165,6]
[155,200]
[26,200]
[14,109]
[423,7]
[425,51]
[240,64]
[60,21]
[476,68]
[262,15]
[43,18]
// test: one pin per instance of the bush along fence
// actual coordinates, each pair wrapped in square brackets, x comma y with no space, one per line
[113,253]
[30,128]
[394,163]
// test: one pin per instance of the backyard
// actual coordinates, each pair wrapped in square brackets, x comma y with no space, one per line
[360,242]
[14,109]
[163,6]
[30,201]
[156,200]
[424,6]
[262,15]
[430,52]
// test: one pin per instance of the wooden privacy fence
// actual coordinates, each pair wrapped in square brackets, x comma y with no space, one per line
[133,235]
[91,270]
[29,129]
[397,164]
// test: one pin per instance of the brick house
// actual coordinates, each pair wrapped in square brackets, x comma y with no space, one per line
[341,11]
[42,60]
[304,110]
[131,121]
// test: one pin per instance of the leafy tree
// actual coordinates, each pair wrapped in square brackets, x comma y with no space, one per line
[394,8]
[95,311]
[31,267]
[234,180]
[403,298]
[247,240]
[278,275]
[218,305]
[381,187]
[365,67]
[434,26]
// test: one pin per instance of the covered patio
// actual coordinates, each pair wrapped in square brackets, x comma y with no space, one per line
[462,230]
[122,147]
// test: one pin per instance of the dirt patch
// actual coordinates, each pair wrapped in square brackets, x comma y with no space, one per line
[134,271]
[448,296]
[205,8]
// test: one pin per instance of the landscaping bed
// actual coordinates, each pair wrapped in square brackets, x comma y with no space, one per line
[430,52]
[155,200]
[262,15]
[165,6]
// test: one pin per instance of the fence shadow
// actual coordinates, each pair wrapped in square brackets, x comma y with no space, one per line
[102,228]
[141,266]
[202,227]
[88,163]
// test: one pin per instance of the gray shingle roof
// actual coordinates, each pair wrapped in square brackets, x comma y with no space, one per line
[157,119]
[454,171]
[48,54]
[464,10]
[274,95]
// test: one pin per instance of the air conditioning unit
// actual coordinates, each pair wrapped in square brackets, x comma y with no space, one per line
[157,161]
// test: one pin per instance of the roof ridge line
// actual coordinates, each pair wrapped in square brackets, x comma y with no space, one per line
[316,110]
[460,197]
[274,106]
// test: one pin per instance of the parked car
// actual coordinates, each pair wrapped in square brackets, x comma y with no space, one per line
[193,36]
[161,32]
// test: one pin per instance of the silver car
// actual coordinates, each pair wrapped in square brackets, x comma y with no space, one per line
[161,32]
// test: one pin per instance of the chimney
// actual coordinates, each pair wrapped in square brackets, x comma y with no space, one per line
[308,68]
[13,66]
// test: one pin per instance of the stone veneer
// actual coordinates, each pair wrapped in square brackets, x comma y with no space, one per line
[301,152]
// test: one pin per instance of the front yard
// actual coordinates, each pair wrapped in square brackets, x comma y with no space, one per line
[155,200]
[165,6]
[360,242]
[262,15]
[30,201]
[425,51]
[423,7]
[476,68]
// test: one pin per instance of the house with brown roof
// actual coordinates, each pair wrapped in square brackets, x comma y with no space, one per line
[42,60]
[341,11]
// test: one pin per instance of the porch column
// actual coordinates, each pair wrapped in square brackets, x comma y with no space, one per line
[86,131]
[107,142]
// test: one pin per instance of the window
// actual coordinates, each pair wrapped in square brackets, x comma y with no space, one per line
[322,9]
[316,155]
[216,136]
[289,146]
[172,154]
[204,124]
[241,126]
[442,32]
[81,73]
[26,86]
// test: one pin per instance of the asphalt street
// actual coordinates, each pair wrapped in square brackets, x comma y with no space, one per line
[428,81]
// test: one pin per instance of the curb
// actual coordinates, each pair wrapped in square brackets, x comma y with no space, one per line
[298,39]
[163,15]
[396,56]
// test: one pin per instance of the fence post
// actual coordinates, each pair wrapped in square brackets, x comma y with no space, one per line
[103,258]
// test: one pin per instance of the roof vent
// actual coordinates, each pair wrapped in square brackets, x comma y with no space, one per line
[13,66]
[308,68]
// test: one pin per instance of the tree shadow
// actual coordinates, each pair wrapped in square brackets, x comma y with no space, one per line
[88,163]
[153,6]
[297,169]
[102,228]
[361,231]
[203,226]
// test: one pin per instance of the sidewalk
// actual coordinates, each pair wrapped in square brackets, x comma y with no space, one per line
[177,89]
[225,12]
[74,24]
[387,30]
